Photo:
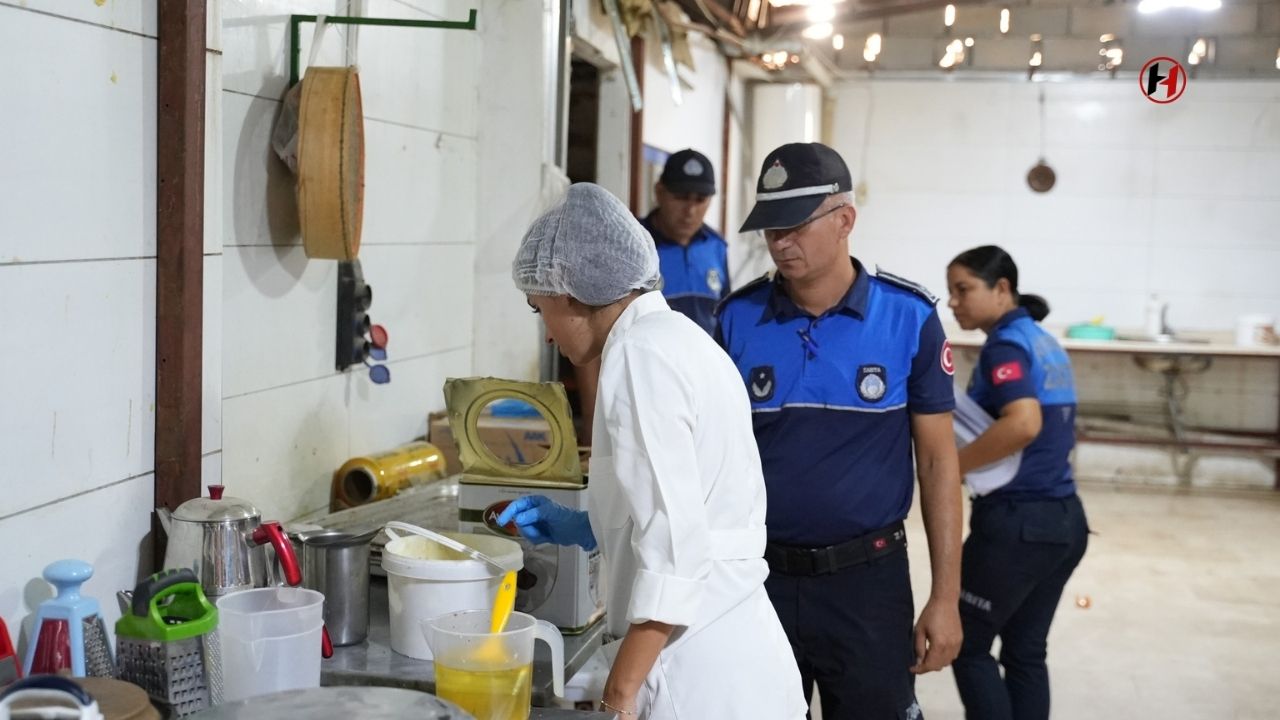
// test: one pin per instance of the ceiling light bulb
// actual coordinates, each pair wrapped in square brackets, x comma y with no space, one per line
[1106,38]
[1278,59]
[1154,6]
[818,31]
[837,41]
[1036,59]
[1200,47]
[968,42]
[1193,59]
[947,61]
[873,43]
[1004,21]
[949,16]
[820,13]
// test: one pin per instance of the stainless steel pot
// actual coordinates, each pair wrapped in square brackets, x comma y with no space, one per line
[223,540]
[337,564]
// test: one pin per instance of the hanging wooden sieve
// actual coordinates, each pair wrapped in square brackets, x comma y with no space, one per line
[331,163]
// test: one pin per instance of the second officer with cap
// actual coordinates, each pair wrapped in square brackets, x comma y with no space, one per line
[849,375]
[693,258]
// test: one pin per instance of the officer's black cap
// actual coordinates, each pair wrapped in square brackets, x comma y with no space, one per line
[794,180]
[689,171]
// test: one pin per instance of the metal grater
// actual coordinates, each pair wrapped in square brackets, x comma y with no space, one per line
[97,649]
[167,644]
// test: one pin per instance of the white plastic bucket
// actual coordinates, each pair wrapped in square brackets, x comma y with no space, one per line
[426,579]
[270,640]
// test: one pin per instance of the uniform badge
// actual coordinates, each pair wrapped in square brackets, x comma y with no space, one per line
[872,382]
[775,177]
[761,383]
[948,360]
[714,282]
[692,167]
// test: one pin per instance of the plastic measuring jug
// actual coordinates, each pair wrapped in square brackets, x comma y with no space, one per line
[491,685]
[270,640]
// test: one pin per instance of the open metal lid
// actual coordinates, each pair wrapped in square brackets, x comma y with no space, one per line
[216,508]
[466,400]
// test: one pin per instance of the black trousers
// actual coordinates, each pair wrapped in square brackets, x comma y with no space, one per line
[851,632]
[1017,559]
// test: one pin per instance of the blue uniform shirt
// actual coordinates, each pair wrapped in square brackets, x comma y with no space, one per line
[695,277]
[1021,360]
[831,398]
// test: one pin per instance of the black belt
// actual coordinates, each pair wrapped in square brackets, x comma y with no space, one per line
[790,560]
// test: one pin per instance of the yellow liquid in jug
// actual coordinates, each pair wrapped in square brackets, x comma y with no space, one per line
[487,694]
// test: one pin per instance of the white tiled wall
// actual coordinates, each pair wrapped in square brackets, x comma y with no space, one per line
[289,418]
[77,280]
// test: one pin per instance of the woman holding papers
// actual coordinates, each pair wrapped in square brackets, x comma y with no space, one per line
[1028,528]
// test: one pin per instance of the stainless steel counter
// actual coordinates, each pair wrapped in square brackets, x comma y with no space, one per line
[373,662]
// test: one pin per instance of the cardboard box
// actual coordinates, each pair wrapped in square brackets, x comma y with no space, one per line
[521,441]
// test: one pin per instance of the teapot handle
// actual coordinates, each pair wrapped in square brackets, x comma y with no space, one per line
[550,634]
[271,532]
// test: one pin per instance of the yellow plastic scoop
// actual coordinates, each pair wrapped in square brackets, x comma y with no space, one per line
[503,603]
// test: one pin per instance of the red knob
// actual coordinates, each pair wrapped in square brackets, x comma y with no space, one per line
[215,491]
[378,336]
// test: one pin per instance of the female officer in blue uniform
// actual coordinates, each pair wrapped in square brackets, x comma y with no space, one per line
[1027,536]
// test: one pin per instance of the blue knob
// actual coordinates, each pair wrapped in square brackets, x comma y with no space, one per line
[67,576]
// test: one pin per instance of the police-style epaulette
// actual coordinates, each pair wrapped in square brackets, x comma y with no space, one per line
[906,284]
[749,287]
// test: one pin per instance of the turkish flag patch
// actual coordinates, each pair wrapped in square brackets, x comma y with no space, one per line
[947,360]
[1007,372]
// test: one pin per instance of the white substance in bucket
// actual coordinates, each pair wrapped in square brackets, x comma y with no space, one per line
[426,579]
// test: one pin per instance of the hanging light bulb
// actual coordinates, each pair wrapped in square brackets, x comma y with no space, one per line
[949,16]
[837,41]
[871,50]
[1004,21]
[818,31]
[1278,59]
[1036,59]
[820,13]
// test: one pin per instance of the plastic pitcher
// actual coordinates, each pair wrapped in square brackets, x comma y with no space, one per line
[270,640]
[490,675]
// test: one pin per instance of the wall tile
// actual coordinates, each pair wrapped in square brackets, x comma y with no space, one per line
[426,78]
[83,144]
[132,16]
[258,192]
[420,186]
[383,416]
[211,397]
[80,413]
[279,314]
[116,543]
[281,446]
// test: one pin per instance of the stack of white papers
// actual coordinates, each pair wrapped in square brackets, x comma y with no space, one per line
[970,421]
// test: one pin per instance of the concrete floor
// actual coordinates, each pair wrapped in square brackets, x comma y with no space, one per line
[1184,610]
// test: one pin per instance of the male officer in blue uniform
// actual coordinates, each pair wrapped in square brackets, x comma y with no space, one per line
[692,257]
[848,374]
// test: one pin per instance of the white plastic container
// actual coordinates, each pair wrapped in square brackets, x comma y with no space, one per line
[1255,329]
[270,641]
[426,580]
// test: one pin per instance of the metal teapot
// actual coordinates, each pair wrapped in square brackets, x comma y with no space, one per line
[223,540]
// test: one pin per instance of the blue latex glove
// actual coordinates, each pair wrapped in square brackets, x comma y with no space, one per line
[541,521]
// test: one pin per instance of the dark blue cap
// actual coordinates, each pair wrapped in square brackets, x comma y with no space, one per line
[689,171]
[794,180]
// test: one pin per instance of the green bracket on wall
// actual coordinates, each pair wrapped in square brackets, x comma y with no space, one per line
[295,22]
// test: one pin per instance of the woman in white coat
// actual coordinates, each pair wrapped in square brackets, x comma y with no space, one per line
[677,498]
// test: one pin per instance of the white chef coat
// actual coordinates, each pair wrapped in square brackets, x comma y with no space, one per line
[677,504]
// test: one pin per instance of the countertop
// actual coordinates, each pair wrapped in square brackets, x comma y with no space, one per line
[373,662]
[1217,344]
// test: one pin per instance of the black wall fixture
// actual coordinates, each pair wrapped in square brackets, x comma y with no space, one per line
[354,298]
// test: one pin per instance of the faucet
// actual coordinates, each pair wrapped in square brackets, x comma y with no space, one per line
[1164,320]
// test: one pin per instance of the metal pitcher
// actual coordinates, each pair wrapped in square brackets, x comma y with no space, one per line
[337,564]
[223,540]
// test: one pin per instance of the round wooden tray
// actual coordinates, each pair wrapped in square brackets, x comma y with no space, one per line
[331,163]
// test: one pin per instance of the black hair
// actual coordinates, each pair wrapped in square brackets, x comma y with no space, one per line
[991,263]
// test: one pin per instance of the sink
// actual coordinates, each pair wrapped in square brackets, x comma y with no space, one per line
[1162,339]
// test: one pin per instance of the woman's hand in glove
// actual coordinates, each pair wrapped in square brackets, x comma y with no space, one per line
[541,521]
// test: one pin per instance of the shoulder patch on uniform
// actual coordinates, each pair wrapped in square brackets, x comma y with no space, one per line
[906,284]
[744,290]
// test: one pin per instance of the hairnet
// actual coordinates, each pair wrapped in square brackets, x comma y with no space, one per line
[590,247]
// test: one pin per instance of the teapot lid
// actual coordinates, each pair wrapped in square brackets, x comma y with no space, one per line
[215,508]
